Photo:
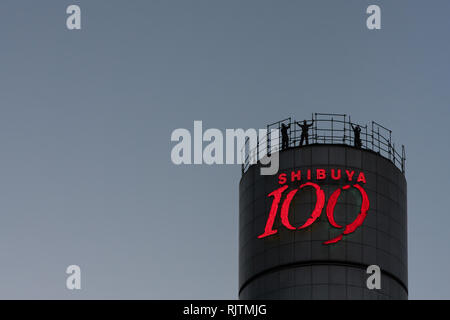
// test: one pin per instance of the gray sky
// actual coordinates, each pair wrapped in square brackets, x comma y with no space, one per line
[86,118]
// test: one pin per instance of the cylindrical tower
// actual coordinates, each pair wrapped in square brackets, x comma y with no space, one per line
[312,230]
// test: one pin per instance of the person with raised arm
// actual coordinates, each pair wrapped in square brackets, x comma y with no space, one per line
[305,128]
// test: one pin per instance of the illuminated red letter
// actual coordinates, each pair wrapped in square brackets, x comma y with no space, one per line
[320,174]
[273,212]
[295,176]
[330,207]
[314,215]
[285,209]
[350,174]
[282,178]
[361,178]
[335,177]
[359,219]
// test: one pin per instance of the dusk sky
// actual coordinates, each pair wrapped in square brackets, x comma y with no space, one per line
[86,119]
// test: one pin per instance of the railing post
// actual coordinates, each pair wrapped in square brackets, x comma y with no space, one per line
[350,131]
[393,153]
[343,138]
[291,133]
[315,127]
[379,145]
[403,159]
[332,132]
[366,135]
[390,137]
[390,143]
[372,137]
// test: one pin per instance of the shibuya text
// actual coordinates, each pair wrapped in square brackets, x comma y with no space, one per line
[208,147]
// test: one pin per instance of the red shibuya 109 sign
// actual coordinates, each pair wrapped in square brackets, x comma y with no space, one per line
[353,181]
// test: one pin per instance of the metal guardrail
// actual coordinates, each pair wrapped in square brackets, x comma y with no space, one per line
[329,128]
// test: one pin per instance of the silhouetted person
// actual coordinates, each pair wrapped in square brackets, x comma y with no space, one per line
[284,136]
[357,132]
[305,127]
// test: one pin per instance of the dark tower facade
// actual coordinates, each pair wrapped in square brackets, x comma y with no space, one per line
[332,210]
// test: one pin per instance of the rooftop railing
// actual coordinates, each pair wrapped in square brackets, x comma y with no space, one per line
[328,128]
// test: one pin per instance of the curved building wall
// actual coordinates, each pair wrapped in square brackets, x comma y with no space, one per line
[296,264]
